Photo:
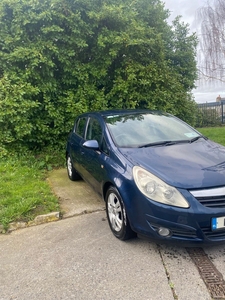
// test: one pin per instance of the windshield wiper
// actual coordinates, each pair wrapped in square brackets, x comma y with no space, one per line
[197,138]
[162,143]
[169,143]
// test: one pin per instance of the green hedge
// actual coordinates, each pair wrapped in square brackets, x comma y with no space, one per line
[59,58]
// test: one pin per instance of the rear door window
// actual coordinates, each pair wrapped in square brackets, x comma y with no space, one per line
[80,126]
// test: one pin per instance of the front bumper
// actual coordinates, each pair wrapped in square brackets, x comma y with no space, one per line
[192,225]
[199,233]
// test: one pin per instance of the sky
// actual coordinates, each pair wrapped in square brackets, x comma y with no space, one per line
[205,92]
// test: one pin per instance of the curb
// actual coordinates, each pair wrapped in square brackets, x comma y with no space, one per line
[41,219]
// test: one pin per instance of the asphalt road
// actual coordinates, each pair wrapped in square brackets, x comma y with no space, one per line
[79,258]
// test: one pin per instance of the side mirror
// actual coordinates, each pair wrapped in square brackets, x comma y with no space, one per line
[91,144]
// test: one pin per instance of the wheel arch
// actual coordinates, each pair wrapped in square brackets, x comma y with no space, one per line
[105,188]
[113,183]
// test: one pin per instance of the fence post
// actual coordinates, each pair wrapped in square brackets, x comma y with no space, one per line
[222,110]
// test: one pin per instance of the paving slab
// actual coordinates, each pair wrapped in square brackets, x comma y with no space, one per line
[75,197]
[183,273]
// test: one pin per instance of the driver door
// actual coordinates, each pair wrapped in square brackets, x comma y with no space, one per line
[93,160]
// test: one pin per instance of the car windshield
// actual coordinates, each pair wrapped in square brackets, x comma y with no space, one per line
[149,129]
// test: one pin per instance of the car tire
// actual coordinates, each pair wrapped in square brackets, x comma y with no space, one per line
[116,215]
[71,171]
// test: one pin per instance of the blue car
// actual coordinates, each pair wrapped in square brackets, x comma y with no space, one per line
[159,177]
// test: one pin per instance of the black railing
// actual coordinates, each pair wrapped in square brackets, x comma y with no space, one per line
[211,114]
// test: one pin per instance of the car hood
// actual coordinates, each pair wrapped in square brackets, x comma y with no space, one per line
[200,164]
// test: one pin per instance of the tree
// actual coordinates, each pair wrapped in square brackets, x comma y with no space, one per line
[60,58]
[212,40]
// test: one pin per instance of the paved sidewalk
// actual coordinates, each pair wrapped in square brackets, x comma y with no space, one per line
[79,259]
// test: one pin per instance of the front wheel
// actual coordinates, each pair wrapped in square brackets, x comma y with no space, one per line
[116,215]
[72,173]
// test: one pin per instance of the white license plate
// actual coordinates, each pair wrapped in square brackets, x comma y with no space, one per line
[218,223]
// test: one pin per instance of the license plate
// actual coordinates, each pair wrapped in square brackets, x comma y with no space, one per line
[218,223]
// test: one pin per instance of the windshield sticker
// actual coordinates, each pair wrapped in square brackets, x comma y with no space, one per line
[191,134]
[114,116]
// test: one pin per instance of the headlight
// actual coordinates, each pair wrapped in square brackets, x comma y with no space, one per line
[156,189]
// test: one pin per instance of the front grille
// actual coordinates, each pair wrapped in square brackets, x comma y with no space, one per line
[212,198]
[184,233]
[214,235]
[212,201]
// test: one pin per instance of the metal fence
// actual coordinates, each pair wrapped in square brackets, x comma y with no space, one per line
[211,114]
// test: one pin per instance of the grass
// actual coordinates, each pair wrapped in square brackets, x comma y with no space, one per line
[217,134]
[24,191]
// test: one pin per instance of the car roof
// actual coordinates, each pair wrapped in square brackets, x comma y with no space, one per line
[110,112]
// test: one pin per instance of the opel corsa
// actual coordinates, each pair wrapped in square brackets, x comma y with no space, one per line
[159,177]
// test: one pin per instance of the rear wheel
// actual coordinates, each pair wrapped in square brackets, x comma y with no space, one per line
[116,215]
[72,173]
